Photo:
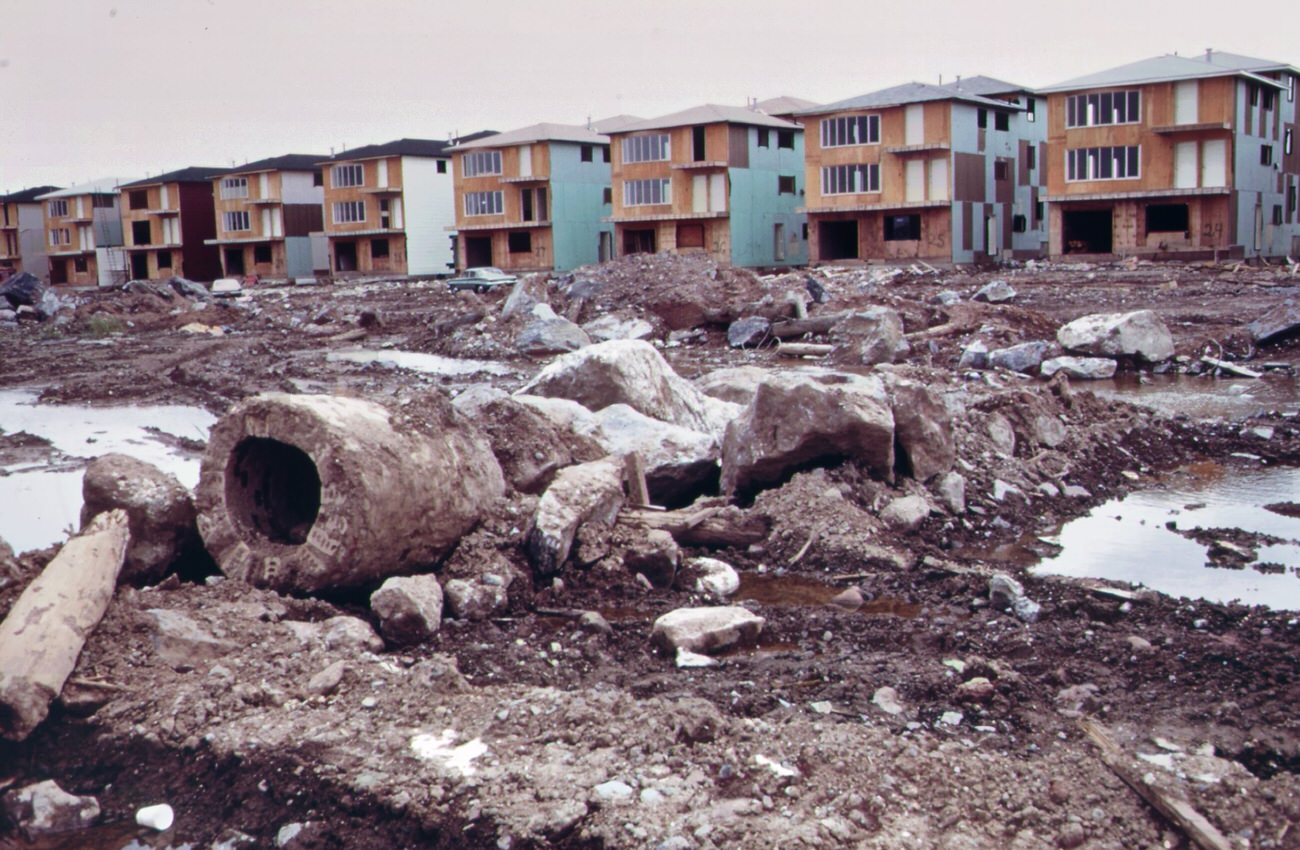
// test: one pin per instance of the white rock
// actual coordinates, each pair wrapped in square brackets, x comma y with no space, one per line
[715,578]
[1140,333]
[886,699]
[585,493]
[706,629]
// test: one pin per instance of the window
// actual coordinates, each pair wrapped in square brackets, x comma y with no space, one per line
[657,190]
[1265,154]
[261,253]
[60,236]
[1167,218]
[1277,213]
[346,212]
[1286,142]
[785,185]
[607,195]
[764,137]
[785,139]
[1254,94]
[442,166]
[106,201]
[899,228]
[1097,108]
[318,178]
[483,203]
[1031,157]
[80,264]
[1001,121]
[1290,200]
[239,220]
[604,153]
[1019,224]
[1040,210]
[1103,163]
[140,233]
[850,179]
[520,242]
[982,118]
[234,187]
[1290,88]
[652,148]
[138,200]
[164,259]
[586,153]
[1268,96]
[850,130]
[353,174]
[1030,115]
[378,248]
[476,163]
[1000,169]
[59,208]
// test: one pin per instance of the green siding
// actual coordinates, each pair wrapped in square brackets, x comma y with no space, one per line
[757,207]
[577,205]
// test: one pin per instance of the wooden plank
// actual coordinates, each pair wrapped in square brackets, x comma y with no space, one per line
[638,494]
[1230,368]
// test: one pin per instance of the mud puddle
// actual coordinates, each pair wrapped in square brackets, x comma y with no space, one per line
[121,836]
[1203,397]
[801,591]
[48,490]
[429,364]
[1137,538]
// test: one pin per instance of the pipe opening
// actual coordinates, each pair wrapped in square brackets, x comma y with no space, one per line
[272,489]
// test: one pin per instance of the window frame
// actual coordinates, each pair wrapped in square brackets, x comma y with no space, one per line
[353,212]
[858,178]
[837,127]
[347,175]
[784,180]
[1081,162]
[647,147]
[234,187]
[643,192]
[57,207]
[484,163]
[1086,108]
[486,202]
[236,216]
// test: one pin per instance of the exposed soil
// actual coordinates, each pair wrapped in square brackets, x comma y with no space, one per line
[592,738]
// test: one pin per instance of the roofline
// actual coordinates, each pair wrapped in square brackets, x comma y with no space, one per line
[972,99]
[1164,78]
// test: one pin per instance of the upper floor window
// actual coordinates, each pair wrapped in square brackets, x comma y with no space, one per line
[785,184]
[138,199]
[1290,88]
[850,179]
[1001,121]
[60,236]
[58,208]
[1031,114]
[349,212]
[650,148]
[644,192]
[785,139]
[236,220]
[1097,108]
[1103,163]
[476,163]
[587,154]
[850,130]
[484,203]
[102,201]
[1265,154]
[764,137]
[234,187]
[350,174]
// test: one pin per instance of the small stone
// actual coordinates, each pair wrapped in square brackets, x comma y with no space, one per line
[951,489]
[951,718]
[328,680]
[592,621]
[613,791]
[1138,643]
[886,699]
[906,514]
[1071,835]
[978,689]
[714,578]
[409,608]
[995,292]
[688,660]
[748,332]
[1002,490]
[850,599]
[655,556]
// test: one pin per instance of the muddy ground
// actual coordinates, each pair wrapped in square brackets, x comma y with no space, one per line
[537,728]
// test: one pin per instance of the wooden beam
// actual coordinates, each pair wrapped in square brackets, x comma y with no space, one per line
[638,494]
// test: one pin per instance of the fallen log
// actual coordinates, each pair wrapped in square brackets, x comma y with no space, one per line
[795,328]
[1230,368]
[713,527]
[42,637]
[804,349]
[1177,811]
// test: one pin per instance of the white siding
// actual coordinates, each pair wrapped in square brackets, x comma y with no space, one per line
[1185,102]
[1214,163]
[914,177]
[1185,165]
[428,209]
[938,179]
[296,188]
[699,193]
[914,124]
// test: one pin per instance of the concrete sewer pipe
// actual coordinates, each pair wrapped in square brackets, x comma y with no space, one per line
[302,493]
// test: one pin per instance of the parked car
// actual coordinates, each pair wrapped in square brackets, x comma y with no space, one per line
[481,279]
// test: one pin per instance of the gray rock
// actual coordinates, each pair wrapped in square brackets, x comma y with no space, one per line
[797,420]
[735,384]
[46,809]
[611,326]
[22,289]
[550,335]
[995,292]
[706,629]
[946,298]
[614,791]
[585,493]
[530,445]
[327,681]
[1002,490]
[1001,434]
[1082,368]
[654,556]
[749,332]
[886,699]
[974,356]
[1005,592]
[158,508]
[679,462]
[526,294]
[182,642]
[1279,322]
[592,621]
[474,599]
[922,428]
[1140,334]
[906,513]
[349,633]
[634,373]
[1025,357]
[850,599]
[868,337]
[951,488]
[409,608]
[189,288]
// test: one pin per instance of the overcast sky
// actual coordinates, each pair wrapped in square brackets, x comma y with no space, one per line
[125,88]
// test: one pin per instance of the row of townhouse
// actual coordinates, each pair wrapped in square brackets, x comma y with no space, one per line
[1167,157]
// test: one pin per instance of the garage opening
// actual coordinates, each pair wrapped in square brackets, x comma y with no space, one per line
[837,240]
[478,251]
[1167,218]
[234,262]
[272,489]
[638,241]
[345,256]
[139,266]
[1087,231]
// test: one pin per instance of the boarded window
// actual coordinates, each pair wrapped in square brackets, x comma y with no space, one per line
[1167,218]
[690,235]
[1000,169]
[899,228]
[520,242]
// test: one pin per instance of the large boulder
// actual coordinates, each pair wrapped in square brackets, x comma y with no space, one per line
[868,337]
[23,288]
[1280,322]
[548,333]
[46,809]
[612,326]
[1082,368]
[526,294]
[158,507]
[735,384]
[706,629]
[1141,334]
[586,493]
[679,462]
[923,428]
[634,373]
[749,332]
[1025,357]
[796,420]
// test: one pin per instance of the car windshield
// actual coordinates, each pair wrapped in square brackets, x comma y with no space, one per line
[489,271]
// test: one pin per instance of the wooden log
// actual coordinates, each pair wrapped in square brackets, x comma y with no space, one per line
[711,527]
[795,328]
[638,494]
[43,635]
[1230,368]
[1177,811]
[804,349]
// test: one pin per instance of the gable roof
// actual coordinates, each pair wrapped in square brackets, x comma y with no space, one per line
[103,186]
[397,147]
[24,196]
[288,162]
[985,86]
[614,123]
[192,174]
[709,113]
[1167,68]
[784,105]
[905,94]
[544,132]
[1246,63]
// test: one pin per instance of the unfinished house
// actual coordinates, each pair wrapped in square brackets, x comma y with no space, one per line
[1175,156]
[169,222]
[533,199]
[918,171]
[266,214]
[22,233]
[388,209]
[719,180]
[83,234]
